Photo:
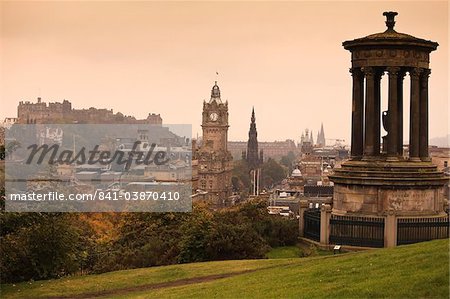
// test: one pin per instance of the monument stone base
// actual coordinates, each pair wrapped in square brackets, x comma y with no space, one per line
[379,188]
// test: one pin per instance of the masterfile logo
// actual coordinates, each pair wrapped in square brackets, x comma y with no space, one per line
[96,168]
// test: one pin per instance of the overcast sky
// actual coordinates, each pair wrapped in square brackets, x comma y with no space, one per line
[284,58]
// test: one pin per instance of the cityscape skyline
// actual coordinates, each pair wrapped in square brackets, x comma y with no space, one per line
[199,149]
[284,59]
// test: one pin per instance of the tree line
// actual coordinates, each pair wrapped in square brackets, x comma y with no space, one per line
[38,246]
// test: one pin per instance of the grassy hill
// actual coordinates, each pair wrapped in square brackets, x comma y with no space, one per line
[414,271]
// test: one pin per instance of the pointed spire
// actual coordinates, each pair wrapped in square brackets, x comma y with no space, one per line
[321,137]
[252,144]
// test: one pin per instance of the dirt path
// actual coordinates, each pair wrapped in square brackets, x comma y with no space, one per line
[155,286]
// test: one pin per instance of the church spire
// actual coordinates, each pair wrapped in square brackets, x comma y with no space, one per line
[321,137]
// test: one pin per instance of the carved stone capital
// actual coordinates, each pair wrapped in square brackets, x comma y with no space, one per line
[368,71]
[379,73]
[415,73]
[393,71]
[426,73]
[424,78]
[355,71]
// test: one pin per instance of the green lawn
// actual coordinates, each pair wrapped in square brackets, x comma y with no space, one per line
[300,250]
[284,252]
[414,271]
[129,278]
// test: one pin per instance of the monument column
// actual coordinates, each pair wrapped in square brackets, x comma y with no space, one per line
[400,78]
[414,119]
[423,110]
[377,126]
[357,113]
[369,130]
[393,125]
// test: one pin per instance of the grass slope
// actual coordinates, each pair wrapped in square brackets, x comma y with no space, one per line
[414,271]
[284,252]
[71,286]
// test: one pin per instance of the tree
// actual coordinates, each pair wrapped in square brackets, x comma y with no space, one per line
[241,177]
[272,173]
[39,245]
[288,161]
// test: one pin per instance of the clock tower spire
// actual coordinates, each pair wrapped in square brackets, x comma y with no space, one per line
[214,157]
[215,121]
[215,93]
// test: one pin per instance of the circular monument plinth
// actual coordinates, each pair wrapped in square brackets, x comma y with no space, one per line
[379,187]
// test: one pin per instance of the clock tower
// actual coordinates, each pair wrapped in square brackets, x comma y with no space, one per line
[215,121]
[214,158]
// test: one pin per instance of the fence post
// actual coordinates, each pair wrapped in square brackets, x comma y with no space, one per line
[301,219]
[390,230]
[325,216]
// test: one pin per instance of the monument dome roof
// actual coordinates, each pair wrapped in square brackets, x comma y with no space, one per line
[390,37]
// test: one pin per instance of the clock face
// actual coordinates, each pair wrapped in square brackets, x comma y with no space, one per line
[213,116]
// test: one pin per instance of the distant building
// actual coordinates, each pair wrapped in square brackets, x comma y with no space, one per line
[295,181]
[271,149]
[306,143]
[8,122]
[311,169]
[62,112]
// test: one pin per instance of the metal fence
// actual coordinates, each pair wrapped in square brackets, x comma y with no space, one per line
[318,191]
[413,230]
[357,231]
[312,224]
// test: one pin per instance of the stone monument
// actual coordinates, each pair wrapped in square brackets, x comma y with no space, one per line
[382,182]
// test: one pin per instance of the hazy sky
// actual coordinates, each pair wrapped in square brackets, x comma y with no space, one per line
[284,58]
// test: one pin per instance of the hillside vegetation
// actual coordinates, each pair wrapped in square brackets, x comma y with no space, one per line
[413,271]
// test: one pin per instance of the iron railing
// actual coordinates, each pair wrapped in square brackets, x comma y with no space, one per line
[414,230]
[312,224]
[357,231]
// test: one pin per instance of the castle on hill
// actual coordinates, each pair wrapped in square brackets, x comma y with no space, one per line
[57,112]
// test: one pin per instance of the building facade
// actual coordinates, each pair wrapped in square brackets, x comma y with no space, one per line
[272,149]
